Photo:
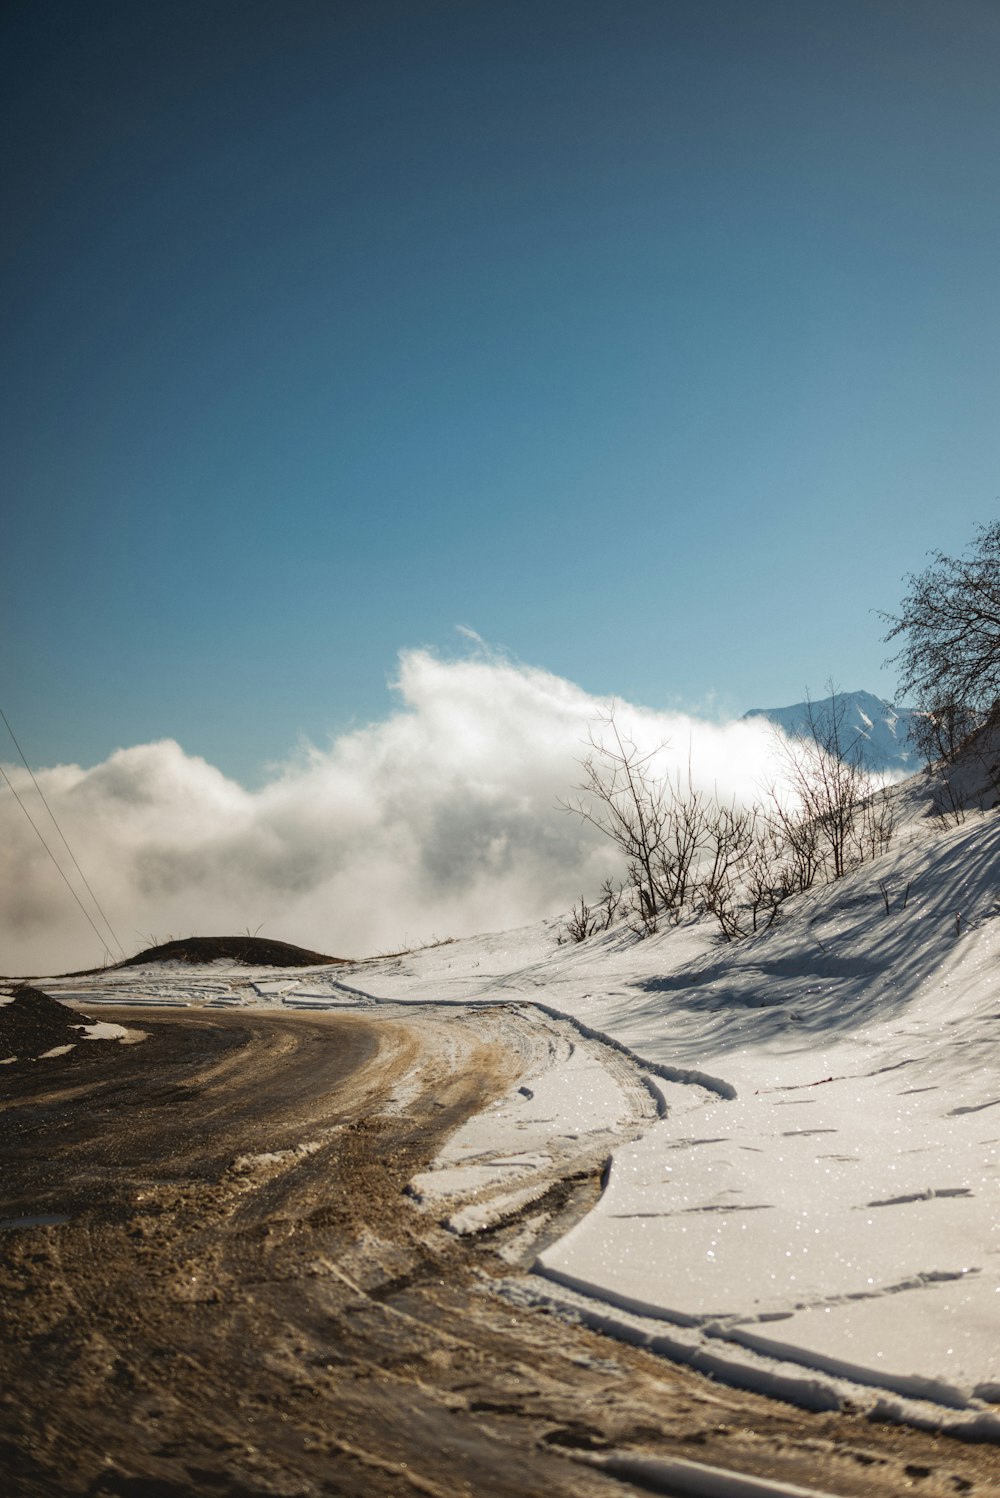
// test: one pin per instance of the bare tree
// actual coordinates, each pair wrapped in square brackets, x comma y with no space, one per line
[657,823]
[773,873]
[731,834]
[798,836]
[949,625]
[622,798]
[941,728]
[823,768]
[687,836]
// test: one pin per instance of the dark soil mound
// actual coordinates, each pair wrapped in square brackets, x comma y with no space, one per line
[34,1022]
[253,951]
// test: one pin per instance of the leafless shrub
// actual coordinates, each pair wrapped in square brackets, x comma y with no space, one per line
[773,874]
[586,920]
[657,823]
[685,850]
[875,825]
[579,924]
[731,834]
[620,796]
[611,904]
[678,858]
[797,836]
[823,769]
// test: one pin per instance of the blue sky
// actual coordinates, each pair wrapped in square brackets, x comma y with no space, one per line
[653,341]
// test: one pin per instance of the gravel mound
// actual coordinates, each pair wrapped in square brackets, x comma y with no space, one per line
[33,1022]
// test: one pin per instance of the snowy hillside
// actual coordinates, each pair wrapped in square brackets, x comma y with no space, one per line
[880,732]
[815,1212]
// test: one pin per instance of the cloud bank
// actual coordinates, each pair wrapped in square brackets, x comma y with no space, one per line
[441,820]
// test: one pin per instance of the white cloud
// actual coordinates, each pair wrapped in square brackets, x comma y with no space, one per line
[440,821]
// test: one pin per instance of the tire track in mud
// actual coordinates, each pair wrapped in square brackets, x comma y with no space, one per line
[574,1101]
[242,1302]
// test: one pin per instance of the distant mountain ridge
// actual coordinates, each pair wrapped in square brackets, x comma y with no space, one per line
[879,733]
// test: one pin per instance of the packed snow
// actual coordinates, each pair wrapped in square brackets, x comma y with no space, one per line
[804,1127]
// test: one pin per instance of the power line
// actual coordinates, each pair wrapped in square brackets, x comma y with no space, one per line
[53,857]
[69,850]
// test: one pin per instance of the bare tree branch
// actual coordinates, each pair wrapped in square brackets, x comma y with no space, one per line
[949,626]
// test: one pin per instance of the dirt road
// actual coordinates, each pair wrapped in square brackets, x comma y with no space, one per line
[233,1296]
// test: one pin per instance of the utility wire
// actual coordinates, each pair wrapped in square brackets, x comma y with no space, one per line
[69,850]
[54,859]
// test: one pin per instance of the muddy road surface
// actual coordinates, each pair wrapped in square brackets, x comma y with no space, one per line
[212,1282]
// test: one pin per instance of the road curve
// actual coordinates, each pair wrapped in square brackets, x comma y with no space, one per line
[212,1283]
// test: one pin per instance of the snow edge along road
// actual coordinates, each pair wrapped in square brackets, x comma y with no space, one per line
[481,1179]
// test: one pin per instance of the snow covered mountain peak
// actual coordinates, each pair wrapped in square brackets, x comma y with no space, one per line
[877,731]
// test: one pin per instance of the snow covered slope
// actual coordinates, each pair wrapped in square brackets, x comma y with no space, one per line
[880,731]
[817,1212]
